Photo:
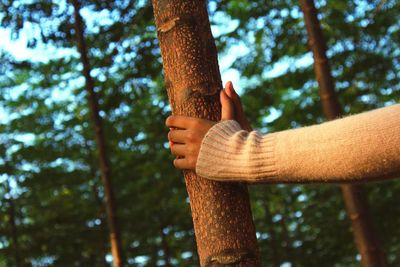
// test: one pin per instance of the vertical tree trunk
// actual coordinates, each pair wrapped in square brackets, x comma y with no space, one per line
[115,240]
[13,227]
[372,254]
[221,212]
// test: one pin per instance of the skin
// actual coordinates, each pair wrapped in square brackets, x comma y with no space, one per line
[186,133]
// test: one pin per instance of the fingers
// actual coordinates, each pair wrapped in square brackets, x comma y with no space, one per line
[181,122]
[186,134]
[227,110]
[183,163]
[239,113]
[178,150]
[185,158]
[177,136]
[230,91]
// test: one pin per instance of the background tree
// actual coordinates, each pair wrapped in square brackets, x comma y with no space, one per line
[354,196]
[49,144]
[111,210]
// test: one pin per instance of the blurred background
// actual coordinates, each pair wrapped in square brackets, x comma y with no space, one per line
[52,201]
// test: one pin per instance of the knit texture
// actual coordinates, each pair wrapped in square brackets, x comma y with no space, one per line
[352,149]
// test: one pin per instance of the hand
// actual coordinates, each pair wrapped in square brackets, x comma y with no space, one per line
[186,133]
[240,117]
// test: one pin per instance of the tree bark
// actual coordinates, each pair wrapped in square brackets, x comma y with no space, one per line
[368,244]
[222,218]
[115,239]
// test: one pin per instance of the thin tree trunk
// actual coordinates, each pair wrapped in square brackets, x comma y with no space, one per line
[13,227]
[101,209]
[368,244]
[115,239]
[222,218]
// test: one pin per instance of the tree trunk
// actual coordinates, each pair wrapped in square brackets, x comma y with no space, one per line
[222,218]
[372,254]
[115,240]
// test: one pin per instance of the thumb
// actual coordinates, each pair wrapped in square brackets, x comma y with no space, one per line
[231,93]
[237,104]
[227,109]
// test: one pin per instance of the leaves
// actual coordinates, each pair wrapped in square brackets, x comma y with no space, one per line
[49,155]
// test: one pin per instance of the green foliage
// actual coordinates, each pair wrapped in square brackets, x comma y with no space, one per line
[364,60]
[49,158]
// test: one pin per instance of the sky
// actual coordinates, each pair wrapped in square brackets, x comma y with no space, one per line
[42,53]
[18,48]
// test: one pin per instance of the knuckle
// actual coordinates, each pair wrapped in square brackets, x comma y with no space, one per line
[192,162]
[192,150]
[195,122]
[190,136]
[188,150]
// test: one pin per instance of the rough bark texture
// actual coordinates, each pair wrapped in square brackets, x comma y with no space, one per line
[221,212]
[116,249]
[368,244]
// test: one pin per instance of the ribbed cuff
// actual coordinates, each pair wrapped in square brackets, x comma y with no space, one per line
[229,153]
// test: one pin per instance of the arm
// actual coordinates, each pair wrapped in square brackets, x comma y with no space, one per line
[356,148]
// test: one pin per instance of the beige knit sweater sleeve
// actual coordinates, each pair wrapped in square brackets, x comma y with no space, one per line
[356,148]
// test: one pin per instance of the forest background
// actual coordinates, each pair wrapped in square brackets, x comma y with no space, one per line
[51,198]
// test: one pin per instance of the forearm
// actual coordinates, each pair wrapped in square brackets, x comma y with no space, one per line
[356,148]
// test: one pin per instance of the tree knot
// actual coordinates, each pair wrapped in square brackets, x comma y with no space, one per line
[229,257]
[168,25]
